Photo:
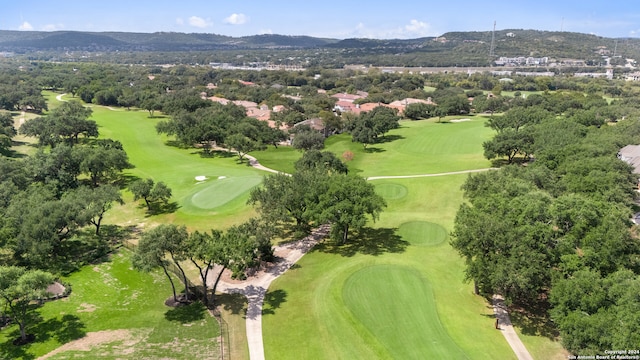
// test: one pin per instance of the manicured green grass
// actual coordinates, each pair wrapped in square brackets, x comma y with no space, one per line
[422,233]
[319,309]
[315,312]
[281,159]
[396,304]
[419,147]
[321,301]
[216,202]
[391,190]
[111,296]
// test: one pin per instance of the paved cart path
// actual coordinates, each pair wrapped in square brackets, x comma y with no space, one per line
[507,329]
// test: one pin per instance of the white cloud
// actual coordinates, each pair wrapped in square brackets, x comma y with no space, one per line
[417,27]
[236,19]
[413,29]
[199,22]
[266,31]
[180,21]
[25,26]
[53,27]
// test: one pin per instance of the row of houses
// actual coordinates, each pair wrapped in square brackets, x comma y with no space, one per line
[347,103]
[344,103]
[521,60]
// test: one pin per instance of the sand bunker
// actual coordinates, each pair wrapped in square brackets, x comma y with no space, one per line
[201,178]
[459,120]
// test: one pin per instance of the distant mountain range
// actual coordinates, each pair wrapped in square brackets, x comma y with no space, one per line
[468,47]
[22,41]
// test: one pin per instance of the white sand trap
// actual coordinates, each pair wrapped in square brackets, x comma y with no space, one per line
[459,120]
[201,178]
[221,177]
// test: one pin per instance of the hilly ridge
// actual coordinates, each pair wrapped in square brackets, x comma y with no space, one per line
[470,48]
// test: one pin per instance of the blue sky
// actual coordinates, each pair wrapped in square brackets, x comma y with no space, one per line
[326,18]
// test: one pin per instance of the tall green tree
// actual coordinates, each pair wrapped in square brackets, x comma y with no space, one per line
[346,203]
[7,131]
[163,246]
[151,192]
[95,202]
[103,161]
[308,140]
[20,290]
[324,160]
[63,124]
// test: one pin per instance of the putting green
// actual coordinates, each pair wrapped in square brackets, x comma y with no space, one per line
[397,306]
[392,191]
[422,233]
[215,192]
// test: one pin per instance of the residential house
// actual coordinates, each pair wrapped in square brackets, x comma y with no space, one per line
[631,155]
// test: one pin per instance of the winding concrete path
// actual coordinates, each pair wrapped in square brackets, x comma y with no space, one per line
[507,329]
[255,287]
[429,175]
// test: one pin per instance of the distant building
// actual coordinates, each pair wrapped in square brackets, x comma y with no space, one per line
[634,76]
[521,61]
[608,74]
[530,73]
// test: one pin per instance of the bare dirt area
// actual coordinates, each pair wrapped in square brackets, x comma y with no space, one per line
[90,341]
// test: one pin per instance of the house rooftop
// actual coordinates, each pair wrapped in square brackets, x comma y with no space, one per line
[631,155]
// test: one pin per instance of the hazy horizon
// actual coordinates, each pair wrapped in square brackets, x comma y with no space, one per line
[332,19]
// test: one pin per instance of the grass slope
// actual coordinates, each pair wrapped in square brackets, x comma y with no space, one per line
[111,296]
[419,147]
[410,329]
[314,310]
[217,202]
[334,303]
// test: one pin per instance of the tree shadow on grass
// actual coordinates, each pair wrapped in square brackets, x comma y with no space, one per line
[63,330]
[124,180]
[534,320]
[234,303]
[116,234]
[389,138]
[161,208]
[10,351]
[82,249]
[215,154]
[175,144]
[369,241]
[373,150]
[187,313]
[273,300]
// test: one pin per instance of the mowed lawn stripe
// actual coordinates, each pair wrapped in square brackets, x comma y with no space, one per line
[397,306]
[419,147]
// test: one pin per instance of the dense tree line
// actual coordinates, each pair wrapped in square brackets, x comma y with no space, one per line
[559,228]
[48,201]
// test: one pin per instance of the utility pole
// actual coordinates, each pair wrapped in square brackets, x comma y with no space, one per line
[493,41]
